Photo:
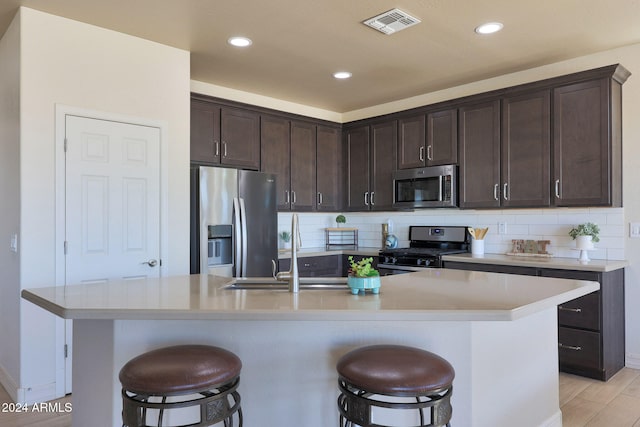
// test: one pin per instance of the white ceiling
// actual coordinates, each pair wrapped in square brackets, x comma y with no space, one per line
[298,44]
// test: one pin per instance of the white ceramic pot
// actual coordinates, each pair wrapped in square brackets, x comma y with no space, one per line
[584,242]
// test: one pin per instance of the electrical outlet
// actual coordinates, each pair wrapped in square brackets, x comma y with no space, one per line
[502,228]
[14,243]
[634,230]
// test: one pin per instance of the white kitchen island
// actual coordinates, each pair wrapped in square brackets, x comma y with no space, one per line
[498,331]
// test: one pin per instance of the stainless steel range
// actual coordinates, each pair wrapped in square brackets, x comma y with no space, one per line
[426,247]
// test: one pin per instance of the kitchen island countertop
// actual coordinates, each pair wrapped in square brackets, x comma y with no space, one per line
[432,294]
[498,331]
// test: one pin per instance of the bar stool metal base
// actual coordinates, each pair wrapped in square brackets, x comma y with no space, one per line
[355,406]
[217,404]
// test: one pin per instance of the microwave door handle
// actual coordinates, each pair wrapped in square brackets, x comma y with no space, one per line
[441,189]
[237,238]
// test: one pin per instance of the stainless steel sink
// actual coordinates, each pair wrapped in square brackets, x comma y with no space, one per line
[306,283]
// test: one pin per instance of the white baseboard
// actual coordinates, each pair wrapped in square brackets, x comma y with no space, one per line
[632,360]
[9,384]
[38,394]
[553,421]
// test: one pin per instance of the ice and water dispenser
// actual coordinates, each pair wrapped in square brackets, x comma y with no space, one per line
[220,246]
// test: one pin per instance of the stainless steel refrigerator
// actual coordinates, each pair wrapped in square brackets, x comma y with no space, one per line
[233,222]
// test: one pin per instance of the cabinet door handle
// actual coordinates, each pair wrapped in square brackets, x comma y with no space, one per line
[572,310]
[217,147]
[429,153]
[557,188]
[570,347]
[286,193]
[495,192]
[421,154]
[504,191]
[372,199]
[319,198]
[224,149]
[366,198]
[293,197]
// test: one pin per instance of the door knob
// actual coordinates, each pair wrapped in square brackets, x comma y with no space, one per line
[151,263]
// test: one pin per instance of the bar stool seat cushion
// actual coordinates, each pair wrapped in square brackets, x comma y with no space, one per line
[179,369]
[395,370]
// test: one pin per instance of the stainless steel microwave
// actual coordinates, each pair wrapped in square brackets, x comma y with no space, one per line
[430,187]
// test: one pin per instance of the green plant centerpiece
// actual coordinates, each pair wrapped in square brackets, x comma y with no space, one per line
[586,229]
[340,219]
[285,236]
[584,235]
[363,276]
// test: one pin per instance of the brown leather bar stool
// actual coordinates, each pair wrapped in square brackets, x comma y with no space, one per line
[370,375]
[180,377]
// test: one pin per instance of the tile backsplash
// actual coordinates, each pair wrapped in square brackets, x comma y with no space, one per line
[532,224]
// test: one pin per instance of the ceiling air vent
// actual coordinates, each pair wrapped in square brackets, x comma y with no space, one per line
[391,21]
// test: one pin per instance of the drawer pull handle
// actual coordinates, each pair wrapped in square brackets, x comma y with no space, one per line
[573,310]
[570,347]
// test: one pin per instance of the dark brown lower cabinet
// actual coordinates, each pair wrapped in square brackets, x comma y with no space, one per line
[315,266]
[590,328]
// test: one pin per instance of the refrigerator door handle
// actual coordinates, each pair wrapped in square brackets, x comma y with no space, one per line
[243,221]
[237,237]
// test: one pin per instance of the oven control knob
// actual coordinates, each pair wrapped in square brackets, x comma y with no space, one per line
[394,260]
[419,261]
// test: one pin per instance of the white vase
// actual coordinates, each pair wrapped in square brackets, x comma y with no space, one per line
[584,242]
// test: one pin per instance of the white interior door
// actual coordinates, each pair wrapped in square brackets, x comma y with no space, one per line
[112,203]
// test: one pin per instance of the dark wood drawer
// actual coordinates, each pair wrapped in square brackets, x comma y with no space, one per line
[328,266]
[491,268]
[579,349]
[583,312]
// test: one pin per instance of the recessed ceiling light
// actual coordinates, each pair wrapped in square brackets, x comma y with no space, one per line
[488,28]
[240,41]
[342,75]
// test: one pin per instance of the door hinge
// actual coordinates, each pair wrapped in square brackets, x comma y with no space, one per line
[66,351]
[66,247]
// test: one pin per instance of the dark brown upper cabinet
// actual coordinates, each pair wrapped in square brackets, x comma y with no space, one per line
[288,150]
[429,141]
[588,143]
[275,136]
[357,154]
[442,138]
[411,142]
[224,136]
[479,137]
[526,145]
[240,135]
[205,133]
[328,168]
[303,166]
[370,153]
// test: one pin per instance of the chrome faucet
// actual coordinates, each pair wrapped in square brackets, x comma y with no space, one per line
[292,276]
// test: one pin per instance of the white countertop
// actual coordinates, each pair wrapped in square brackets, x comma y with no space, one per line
[598,265]
[432,294]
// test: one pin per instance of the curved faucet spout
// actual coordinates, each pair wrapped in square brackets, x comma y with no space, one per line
[292,276]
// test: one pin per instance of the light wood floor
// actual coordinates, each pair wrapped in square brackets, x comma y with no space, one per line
[584,403]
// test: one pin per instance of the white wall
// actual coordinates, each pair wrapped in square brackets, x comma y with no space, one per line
[74,64]
[9,204]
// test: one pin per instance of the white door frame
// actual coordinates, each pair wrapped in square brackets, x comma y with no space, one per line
[61,111]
